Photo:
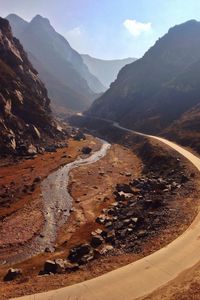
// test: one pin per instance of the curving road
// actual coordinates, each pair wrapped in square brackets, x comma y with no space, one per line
[145,275]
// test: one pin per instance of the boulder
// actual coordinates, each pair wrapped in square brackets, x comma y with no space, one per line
[50,267]
[60,266]
[77,253]
[37,179]
[86,150]
[110,236]
[71,267]
[12,274]
[32,150]
[96,241]
[79,136]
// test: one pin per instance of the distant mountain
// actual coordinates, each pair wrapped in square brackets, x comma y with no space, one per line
[106,70]
[163,87]
[62,69]
[25,115]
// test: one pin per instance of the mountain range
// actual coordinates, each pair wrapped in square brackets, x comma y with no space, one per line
[106,70]
[67,78]
[159,93]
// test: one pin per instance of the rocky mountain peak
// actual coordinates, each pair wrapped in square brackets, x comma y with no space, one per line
[39,20]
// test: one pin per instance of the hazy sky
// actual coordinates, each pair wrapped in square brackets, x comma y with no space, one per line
[108,28]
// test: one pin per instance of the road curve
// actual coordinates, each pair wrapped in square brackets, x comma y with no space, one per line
[145,275]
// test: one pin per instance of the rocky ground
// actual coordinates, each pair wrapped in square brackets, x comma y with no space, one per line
[124,209]
[20,196]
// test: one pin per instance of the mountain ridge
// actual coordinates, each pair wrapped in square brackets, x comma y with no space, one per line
[141,97]
[65,64]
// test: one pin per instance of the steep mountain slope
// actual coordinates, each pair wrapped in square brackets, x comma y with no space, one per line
[25,116]
[186,129]
[59,62]
[157,89]
[65,99]
[106,70]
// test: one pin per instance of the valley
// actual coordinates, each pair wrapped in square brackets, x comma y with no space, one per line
[99,153]
[90,198]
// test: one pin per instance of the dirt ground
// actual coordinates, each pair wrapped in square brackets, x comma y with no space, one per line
[92,188]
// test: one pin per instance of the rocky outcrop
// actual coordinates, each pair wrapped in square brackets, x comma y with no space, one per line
[25,116]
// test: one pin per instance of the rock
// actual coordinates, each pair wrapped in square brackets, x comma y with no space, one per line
[50,267]
[60,266]
[87,258]
[108,224]
[72,210]
[101,219]
[49,249]
[98,231]
[77,253]
[120,196]
[106,249]
[79,136]
[124,188]
[32,150]
[86,150]
[134,220]
[34,131]
[71,267]
[127,174]
[96,241]
[37,179]
[110,238]
[141,233]
[12,274]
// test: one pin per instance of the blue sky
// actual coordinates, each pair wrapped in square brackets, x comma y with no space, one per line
[108,28]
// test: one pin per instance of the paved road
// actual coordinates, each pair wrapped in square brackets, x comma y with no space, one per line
[145,275]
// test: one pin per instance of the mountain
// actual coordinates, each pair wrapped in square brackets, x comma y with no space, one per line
[18,24]
[186,129]
[106,70]
[62,69]
[158,89]
[25,115]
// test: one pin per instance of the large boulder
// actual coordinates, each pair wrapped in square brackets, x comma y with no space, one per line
[96,241]
[86,150]
[50,267]
[12,274]
[80,254]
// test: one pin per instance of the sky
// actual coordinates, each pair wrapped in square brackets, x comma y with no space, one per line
[108,29]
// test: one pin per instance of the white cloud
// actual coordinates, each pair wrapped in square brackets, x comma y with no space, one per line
[136,28]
